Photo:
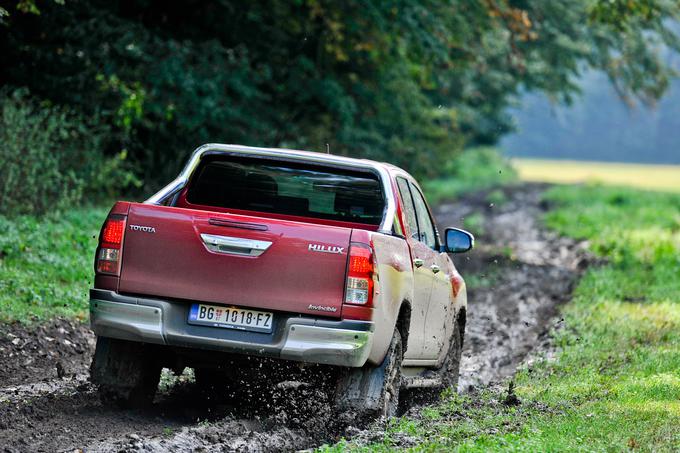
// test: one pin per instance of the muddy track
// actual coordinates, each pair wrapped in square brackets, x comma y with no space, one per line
[521,275]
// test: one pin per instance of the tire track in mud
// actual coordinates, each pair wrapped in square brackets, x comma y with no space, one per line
[521,274]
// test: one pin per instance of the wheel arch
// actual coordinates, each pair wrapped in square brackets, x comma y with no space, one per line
[403,323]
[461,319]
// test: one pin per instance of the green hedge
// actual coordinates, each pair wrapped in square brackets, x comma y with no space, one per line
[52,157]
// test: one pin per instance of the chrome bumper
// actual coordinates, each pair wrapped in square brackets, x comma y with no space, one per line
[342,343]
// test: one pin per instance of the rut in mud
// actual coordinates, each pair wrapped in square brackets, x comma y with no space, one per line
[519,272]
[522,273]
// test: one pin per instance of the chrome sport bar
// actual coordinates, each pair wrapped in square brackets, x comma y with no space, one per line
[180,181]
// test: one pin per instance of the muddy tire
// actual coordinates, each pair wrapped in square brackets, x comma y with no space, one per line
[448,373]
[126,373]
[371,391]
[450,369]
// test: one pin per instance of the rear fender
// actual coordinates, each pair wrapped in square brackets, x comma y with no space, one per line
[393,287]
[458,287]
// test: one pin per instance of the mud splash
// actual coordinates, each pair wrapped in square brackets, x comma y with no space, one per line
[518,275]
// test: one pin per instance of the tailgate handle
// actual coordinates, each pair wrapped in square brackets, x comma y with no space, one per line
[234,246]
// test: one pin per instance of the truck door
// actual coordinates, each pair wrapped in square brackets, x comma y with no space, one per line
[423,257]
[439,311]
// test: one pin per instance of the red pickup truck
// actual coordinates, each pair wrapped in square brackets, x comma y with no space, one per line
[270,253]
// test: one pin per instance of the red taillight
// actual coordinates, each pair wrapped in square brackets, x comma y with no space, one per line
[359,285]
[112,234]
[360,261]
[110,243]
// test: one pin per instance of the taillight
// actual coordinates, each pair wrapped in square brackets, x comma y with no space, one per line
[456,284]
[110,245]
[359,286]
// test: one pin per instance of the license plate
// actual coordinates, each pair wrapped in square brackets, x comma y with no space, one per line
[230,318]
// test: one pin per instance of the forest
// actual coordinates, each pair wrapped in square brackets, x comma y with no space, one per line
[105,97]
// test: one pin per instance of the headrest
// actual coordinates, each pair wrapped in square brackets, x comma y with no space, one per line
[352,204]
[262,184]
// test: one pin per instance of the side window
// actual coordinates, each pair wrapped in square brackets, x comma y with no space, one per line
[427,234]
[409,210]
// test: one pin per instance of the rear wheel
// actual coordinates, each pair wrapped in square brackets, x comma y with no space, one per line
[450,369]
[126,373]
[448,373]
[372,391]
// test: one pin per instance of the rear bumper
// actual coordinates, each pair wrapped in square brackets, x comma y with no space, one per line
[312,340]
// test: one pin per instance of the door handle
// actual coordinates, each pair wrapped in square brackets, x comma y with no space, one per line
[434,268]
[417,262]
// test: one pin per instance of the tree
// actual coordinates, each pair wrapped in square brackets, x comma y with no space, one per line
[406,81]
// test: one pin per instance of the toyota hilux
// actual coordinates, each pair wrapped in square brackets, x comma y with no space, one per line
[293,256]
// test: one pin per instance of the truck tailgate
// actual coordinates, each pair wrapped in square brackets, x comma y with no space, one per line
[234,260]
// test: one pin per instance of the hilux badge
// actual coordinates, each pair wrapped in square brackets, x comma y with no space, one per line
[325,248]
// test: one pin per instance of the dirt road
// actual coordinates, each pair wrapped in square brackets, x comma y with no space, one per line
[519,275]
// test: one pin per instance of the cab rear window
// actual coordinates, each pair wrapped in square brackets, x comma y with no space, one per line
[288,188]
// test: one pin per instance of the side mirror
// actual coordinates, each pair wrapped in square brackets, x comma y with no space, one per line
[458,241]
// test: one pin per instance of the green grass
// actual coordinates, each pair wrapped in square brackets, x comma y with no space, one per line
[644,176]
[614,384]
[474,169]
[475,222]
[46,264]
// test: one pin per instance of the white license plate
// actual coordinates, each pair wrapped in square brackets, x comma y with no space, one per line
[231,318]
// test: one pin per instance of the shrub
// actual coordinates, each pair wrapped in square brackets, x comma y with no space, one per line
[51,156]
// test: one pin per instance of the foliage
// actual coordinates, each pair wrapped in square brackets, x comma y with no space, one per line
[50,157]
[474,169]
[46,264]
[613,384]
[404,81]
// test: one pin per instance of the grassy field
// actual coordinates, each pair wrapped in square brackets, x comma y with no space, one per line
[615,382]
[653,177]
[474,169]
[46,264]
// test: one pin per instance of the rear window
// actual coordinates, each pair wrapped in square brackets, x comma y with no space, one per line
[288,188]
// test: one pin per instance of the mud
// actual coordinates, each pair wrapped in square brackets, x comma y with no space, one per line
[40,352]
[519,274]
